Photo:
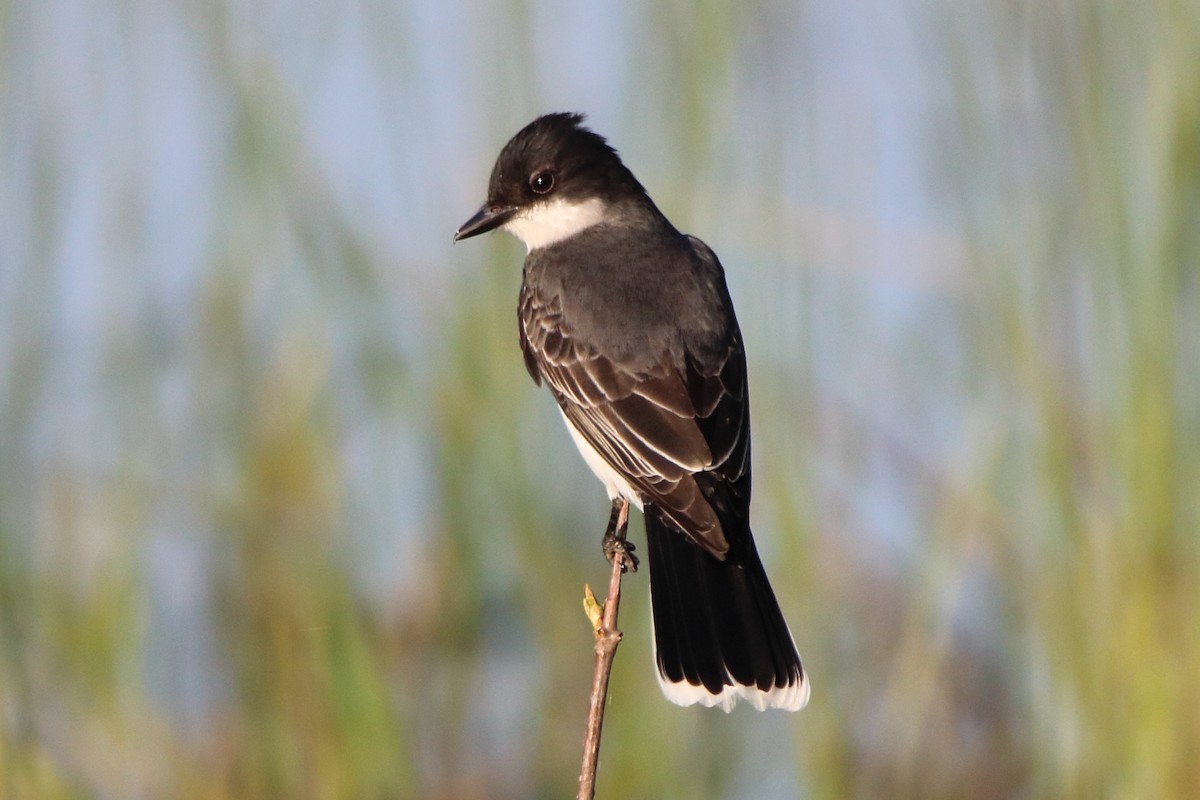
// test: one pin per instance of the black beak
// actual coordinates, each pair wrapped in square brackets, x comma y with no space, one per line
[487,218]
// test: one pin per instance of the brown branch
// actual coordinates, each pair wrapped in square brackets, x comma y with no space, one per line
[608,636]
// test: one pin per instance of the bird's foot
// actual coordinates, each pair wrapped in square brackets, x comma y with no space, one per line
[614,544]
[620,548]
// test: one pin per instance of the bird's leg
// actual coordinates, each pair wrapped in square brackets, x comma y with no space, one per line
[615,545]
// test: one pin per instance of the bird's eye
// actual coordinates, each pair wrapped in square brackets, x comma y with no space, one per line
[542,182]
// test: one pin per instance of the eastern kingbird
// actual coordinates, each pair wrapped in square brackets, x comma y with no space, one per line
[629,323]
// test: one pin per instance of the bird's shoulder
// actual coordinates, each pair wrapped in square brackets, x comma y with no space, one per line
[631,291]
[633,313]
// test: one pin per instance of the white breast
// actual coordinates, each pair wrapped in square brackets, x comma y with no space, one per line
[542,224]
[616,485]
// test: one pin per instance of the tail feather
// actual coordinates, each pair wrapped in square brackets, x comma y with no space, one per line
[719,634]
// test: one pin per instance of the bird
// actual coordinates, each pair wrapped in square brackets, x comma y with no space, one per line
[629,323]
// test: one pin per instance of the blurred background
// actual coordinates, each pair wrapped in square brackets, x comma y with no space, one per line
[282,516]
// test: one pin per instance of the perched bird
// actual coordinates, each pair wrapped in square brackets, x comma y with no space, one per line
[629,323]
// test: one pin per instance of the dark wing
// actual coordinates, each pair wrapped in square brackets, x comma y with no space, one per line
[676,429]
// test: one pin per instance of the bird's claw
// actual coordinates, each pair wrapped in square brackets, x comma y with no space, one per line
[619,548]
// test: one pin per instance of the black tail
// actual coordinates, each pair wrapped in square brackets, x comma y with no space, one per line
[719,634]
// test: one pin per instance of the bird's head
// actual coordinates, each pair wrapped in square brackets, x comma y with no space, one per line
[552,180]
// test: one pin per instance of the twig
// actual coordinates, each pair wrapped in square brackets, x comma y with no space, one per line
[608,636]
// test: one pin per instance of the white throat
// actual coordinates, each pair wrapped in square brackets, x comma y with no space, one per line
[544,224]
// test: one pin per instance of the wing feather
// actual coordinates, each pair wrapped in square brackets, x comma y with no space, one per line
[676,429]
